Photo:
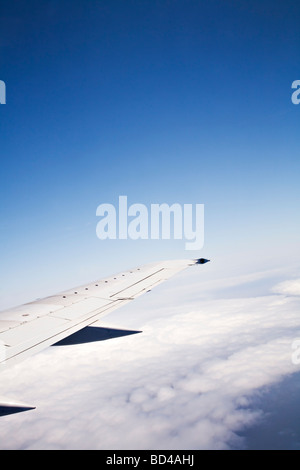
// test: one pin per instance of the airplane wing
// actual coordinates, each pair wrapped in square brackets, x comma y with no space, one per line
[32,327]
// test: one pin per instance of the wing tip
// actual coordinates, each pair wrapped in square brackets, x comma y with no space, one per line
[9,407]
[201,261]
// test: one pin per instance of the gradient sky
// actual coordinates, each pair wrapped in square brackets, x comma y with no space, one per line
[163,101]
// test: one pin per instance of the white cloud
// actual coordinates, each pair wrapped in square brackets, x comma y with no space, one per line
[186,382]
[288,287]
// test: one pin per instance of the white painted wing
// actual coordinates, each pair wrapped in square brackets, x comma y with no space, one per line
[34,326]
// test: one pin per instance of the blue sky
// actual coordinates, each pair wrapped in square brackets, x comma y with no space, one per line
[182,101]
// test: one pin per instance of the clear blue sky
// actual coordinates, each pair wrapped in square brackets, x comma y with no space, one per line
[163,101]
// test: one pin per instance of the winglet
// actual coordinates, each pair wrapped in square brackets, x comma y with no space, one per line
[202,261]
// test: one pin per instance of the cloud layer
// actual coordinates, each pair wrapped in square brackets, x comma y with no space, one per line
[186,382]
